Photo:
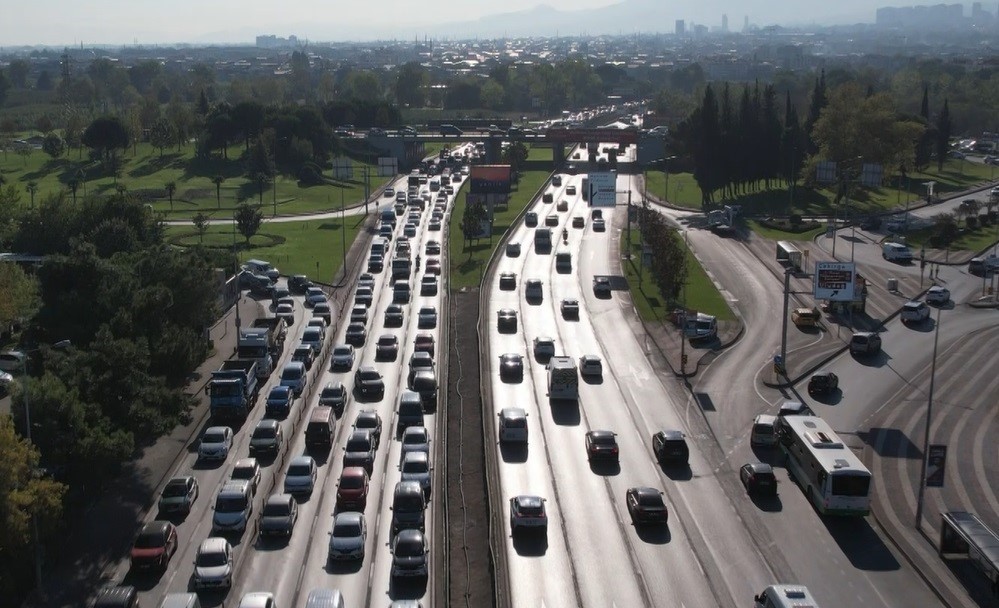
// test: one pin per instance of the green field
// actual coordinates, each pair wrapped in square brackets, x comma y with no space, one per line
[957,175]
[145,174]
[468,261]
[313,247]
[970,240]
[782,235]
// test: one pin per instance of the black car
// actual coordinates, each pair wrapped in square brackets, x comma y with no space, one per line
[409,554]
[646,506]
[360,450]
[387,347]
[758,478]
[299,283]
[369,383]
[369,420]
[601,445]
[508,281]
[279,515]
[393,315]
[823,382]
[506,320]
[511,365]
[670,446]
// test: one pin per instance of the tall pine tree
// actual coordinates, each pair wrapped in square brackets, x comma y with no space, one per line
[943,135]
[819,101]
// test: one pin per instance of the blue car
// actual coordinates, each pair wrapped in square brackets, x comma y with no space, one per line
[279,401]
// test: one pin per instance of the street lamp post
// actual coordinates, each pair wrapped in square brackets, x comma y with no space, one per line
[926,431]
[666,180]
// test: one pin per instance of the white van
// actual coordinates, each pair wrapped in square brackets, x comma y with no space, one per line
[896,252]
[785,596]
[324,598]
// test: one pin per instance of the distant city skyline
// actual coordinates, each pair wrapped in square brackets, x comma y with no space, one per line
[113,22]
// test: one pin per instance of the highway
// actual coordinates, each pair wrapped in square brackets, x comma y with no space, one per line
[290,569]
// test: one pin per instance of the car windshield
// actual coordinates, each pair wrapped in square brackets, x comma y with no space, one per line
[346,529]
[409,548]
[211,559]
[341,352]
[264,433]
[603,440]
[230,504]
[414,439]
[414,466]
[243,473]
[175,489]
[358,444]
[276,509]
[352,482]
[369,375]
[149,540]
[386,341]
[333,391]
[292,373]
[299,470]
[650,500]
[213,437]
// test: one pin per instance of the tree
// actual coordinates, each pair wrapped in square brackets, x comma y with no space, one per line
[44,124]
[32,188]
[53,145]
[944,127]
[106,135]
[161,134]
[73,184]
[248,220]
[201,222]
[44,82]
[217,180]
[20,295]
[171,189]
[17,72]
[471,222]
[4,87]
[248,120]
[260,166]
[410,85]
[516,155]
[815,107]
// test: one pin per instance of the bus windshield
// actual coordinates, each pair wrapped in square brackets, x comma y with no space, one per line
[850,485]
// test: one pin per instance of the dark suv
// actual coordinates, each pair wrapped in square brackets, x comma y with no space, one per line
[670,447]
[369,383]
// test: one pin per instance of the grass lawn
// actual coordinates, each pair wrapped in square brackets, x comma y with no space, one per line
[781,235]
[702,295]
[313,247]
[468,261]
[956,175]
[971,240]
[542,153]
[146,173]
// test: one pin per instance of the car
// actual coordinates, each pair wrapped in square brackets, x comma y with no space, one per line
[793,408]
[279,401]
[432,248]
[570,190]
[513,249]
[342,357]
[758,478]
[415,466]
[420,360]
[915,312]
[670,447]
[154,546]
[356,334]
[528,511]
[319,324]
[433,267]
[434,226]
[267,437]
[415,439]
[409,230]
[314,295]
[394,315]
[376,263]
[278,516]
[409,555]
[359,451]
[763,432]
[601,446]
[388,192]
[359,314]
[352,490]
[601,286]
[347,537]
[213,564]
[544,347]
[570,308]
[578,221]
[305,354]
[261,599]
[215,443]
[646,506]
[865,343]
[369,420]
[427,317]
[400,293]
[506,320]
[323,311]
[511,365]
[531,219]
[178,495]
[937,295]
[551,221]
[368,382]
[387,347]
[334,395]
[247,469]
[428,285]
[424,343]
[366,280]
[508,281]
[599,225]
[823,382]
[300,477]
[363,296]
[590,365]
[299,283]
[533,290]
[6,380]
[556,180]
[286,312]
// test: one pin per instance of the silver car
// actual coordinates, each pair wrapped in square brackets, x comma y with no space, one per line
[348,536]
[416,467]
[213,564]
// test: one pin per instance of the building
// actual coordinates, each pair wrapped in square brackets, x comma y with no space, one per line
[681,27]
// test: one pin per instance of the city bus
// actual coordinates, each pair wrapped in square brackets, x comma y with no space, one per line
[829,473]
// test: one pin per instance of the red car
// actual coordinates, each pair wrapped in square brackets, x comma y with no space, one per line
[352,492]
[434,266]
[424,342]
[155,545]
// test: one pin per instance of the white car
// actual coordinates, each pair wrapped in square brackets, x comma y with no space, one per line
[938,295]
[590,365]
[213,564]
[12,361]
[215,443]
[915,312]
[544,346]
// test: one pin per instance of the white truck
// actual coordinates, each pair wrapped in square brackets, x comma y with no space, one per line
[896,252]
[563,378]
[262,342]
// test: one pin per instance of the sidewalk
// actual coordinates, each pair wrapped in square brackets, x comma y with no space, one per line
[103,533]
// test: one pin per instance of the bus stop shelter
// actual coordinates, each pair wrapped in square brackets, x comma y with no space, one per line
[964,535]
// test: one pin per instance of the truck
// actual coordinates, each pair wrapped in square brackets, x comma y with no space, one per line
[263,342]
[788,254]
[233,389]
[563,378]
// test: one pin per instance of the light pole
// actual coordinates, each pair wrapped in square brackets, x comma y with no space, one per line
[683,325]
[235,273]
[666,180]
[926,431]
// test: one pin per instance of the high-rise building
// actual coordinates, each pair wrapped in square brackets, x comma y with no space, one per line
[681,27]
[745,23]
[724,23]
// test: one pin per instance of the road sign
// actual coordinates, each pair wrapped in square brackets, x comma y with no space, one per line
[936,463]
[387,165]
[835,281]
[343,169]
[603,188]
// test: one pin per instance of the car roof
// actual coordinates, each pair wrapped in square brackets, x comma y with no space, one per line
[279,499]
[237,486]
[529,500]
[217,429]
[646,491]
[267,423]
[246,463]
[672,435]
[179,480]
[156,527]
[416,456]
[281,388]
[513,412]
[409,535]
[348,517]
[600,434]
[353,472]
[213,544]
[300,460]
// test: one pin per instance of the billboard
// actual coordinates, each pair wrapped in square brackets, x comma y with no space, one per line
[601,189]
[835,281]
[343,169]
[490,179]
[388,166]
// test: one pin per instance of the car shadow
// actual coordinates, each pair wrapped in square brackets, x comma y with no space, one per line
[208,598]
[512,379]
[530,543]
[596,380]
[654,534]
[514,452]
[271,543]
[145,580]
[408,589]
[605,468]
[343,567]
[880,359]
[833,397]
[770,504]
[175,518]
[925,326]
[766,453]
[207,465]
[677,472]
[565,412]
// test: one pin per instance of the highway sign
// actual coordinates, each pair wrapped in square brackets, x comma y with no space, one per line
[835,281]
[343,168]
[387,165]
[936,463]
[603,188]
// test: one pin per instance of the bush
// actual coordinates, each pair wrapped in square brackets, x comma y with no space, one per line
[311,175]
[972,222]
[795,220]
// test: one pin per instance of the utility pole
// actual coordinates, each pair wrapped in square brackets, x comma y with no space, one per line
[367,188]
[926,431]
[683,318]
[783,332]
[627,225]
[235,273]
[343,236]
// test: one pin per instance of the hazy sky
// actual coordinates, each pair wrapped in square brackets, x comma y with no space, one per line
[62,22]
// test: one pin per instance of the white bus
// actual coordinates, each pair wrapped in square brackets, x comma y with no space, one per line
[829,473]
